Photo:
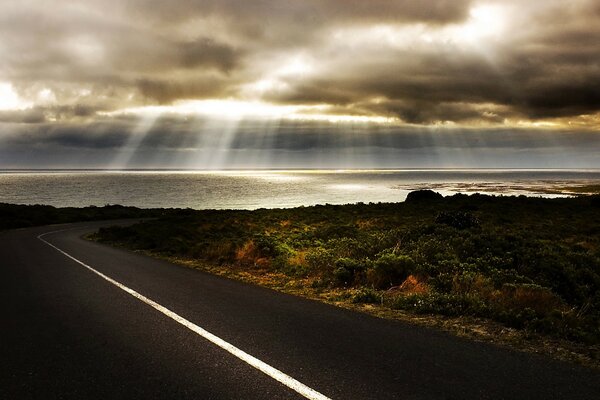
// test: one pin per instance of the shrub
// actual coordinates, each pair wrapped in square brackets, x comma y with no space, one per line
[345,270]
[471,282]
[527,296]
[266,246]
[221,252]
[319,259]
[389,270]
[439,303]
[486,268]
[367,296]
[457,219]
[246,254]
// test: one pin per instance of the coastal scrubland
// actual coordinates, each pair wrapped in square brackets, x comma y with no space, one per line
[520,266]
[14,216]
[528,264]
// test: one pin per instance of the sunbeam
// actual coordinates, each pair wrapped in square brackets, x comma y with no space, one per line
[219,146]
[314,85]
[232,109]
[125,154]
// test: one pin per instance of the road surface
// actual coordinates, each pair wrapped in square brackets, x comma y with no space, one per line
[84,320]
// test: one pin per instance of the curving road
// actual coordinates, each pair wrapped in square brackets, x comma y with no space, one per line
[83,320]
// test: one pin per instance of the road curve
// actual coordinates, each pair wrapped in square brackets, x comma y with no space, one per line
[68,332]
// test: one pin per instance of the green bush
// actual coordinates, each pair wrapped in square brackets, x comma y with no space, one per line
[457,219]
[440,303]
[320,260]
[526,262]
[346,270]
[268,246]
[389,269]
[367,296]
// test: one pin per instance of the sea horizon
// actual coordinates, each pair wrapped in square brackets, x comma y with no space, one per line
[307,169]
[278,188]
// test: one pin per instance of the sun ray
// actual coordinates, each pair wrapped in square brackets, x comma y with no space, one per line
[233,109]
[126,153]
[220,156]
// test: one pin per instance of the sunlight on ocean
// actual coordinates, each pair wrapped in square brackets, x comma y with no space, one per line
[275,188]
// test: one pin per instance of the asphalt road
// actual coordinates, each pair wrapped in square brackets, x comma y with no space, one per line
[66,332]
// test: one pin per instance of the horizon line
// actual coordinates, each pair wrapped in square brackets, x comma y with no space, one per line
[303,169]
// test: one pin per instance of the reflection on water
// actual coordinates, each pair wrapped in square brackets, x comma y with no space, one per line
[546,188]
[269,189]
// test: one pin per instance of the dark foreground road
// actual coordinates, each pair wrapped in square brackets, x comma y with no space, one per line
[66,332]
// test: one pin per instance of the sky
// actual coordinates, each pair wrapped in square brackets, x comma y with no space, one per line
[299,84]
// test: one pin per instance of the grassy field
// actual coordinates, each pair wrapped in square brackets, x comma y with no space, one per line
[527,264]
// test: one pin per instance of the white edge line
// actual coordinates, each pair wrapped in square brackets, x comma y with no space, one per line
[274,373]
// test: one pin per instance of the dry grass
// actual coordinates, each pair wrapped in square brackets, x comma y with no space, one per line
[216,251]
[247,254]
[298,259]
[539,299]
[413,285]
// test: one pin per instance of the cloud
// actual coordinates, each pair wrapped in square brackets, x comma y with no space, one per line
[174,143]
[27,116]
[51,113]
[312,14]
[164,91]
[491,65]
[543,67]
[171,131]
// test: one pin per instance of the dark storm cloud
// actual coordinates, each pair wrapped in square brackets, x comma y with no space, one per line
[208,52]
[27,116]
[164,91]
[546,67]
[564,99]
[483,69]
[416,96]
[543,63]
[49,137]
[551,79]
[312,14]
[40,114]
[109,39]
[70,48]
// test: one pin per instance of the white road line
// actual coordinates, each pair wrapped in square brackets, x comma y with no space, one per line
[274,373]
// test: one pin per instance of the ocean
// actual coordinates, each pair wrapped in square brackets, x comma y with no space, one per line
[275,188]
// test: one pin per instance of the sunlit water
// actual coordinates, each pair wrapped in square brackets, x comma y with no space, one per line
[272,189]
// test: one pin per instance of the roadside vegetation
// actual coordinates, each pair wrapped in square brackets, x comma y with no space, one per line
[525,265]
[14,216]
[528,264]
